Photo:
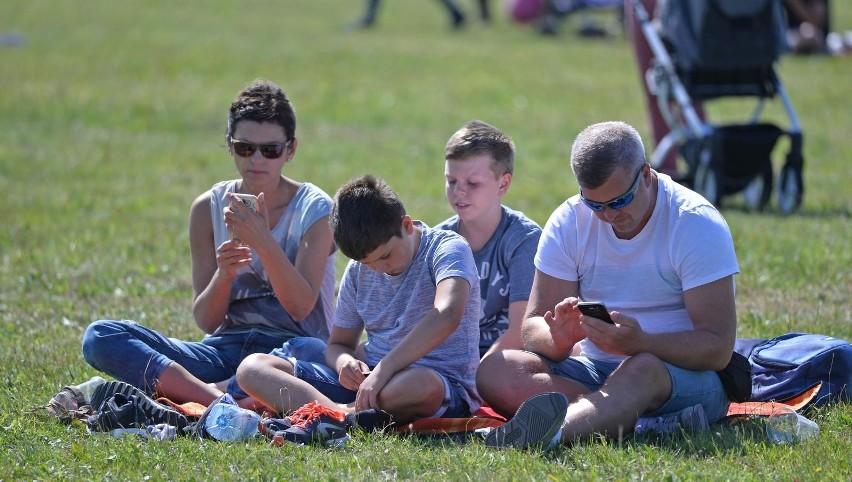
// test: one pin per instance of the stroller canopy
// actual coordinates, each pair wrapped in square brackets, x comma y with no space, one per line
[723,34]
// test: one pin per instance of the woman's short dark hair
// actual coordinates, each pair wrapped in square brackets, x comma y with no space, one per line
[262,101]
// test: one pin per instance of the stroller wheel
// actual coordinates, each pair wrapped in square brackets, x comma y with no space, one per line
[758,192]
[790,189]
[708,183]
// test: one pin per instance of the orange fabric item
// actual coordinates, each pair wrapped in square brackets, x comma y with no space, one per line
[768,408]
[482,418]
[190,409]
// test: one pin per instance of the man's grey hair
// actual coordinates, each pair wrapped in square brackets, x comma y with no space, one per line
[602,148]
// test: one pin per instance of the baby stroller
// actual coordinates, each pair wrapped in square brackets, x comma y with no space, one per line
[707,49]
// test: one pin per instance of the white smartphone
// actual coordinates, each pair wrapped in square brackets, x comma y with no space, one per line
[249,200]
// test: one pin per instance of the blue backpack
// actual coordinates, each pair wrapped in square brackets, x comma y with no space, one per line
[787,366]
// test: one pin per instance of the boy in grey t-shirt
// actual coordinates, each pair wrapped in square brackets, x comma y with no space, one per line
[415,291]
[478,171]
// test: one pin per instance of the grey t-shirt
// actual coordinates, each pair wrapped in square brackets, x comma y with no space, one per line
[389,307]
[253,304]
[506,271]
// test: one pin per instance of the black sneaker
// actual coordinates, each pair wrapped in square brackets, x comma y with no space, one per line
[119,412]
[371,420]
[269,426]
[690,419]
[121,405]
[106,391]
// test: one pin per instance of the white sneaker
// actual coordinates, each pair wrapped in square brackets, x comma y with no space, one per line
[690,419]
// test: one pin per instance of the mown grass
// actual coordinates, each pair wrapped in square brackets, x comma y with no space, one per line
[111,122]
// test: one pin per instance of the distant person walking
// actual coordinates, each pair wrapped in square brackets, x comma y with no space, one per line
[457,17]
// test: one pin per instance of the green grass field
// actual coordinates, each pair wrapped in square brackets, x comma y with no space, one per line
[112,116]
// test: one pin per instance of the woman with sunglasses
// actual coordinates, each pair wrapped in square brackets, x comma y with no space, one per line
[262,281]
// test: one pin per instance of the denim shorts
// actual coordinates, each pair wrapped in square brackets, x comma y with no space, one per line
[689,387]
[306,348]
[327,382]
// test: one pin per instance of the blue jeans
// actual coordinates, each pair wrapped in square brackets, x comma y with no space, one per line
[689,387]
[138,355]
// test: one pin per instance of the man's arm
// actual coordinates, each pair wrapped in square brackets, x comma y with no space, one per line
[545,330]
[706,347]
[713,312]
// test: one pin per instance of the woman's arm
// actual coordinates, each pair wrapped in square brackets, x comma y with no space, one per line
[211,285]
[296,285]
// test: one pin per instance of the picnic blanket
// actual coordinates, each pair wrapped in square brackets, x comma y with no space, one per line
[486,417]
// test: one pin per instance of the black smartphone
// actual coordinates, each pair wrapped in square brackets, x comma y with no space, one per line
[595,309]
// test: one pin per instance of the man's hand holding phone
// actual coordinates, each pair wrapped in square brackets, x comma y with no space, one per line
[563,321]
[595,309]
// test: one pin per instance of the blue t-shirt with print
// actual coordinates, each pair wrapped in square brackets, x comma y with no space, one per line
[506,271]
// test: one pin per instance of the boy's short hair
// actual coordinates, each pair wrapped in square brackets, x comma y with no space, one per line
[366,214]
[477,137]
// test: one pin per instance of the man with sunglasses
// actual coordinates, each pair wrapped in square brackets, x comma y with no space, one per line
[661,258]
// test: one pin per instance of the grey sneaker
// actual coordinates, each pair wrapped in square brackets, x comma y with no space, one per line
[690,419]
[536,423]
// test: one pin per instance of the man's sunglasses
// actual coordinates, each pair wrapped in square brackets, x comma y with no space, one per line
[272,150]
[620,202]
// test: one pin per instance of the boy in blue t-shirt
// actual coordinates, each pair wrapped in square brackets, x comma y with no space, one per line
[478,170]
[414,291]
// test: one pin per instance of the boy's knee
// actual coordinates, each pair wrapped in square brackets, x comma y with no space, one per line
[420,387]
[644,365]
[249,366]
[256,364]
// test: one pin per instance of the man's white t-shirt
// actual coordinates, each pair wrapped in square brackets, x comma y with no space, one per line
[685,244]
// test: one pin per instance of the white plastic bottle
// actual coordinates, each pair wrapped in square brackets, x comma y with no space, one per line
[88,388]
[789,428]
[227,422]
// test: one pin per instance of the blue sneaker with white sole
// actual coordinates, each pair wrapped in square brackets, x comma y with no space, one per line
[536,423]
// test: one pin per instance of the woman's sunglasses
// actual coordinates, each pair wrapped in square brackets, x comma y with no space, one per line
[272,150]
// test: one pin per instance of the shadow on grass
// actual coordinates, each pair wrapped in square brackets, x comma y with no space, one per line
[727,436]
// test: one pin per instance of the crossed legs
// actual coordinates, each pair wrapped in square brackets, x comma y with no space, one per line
[639,385]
